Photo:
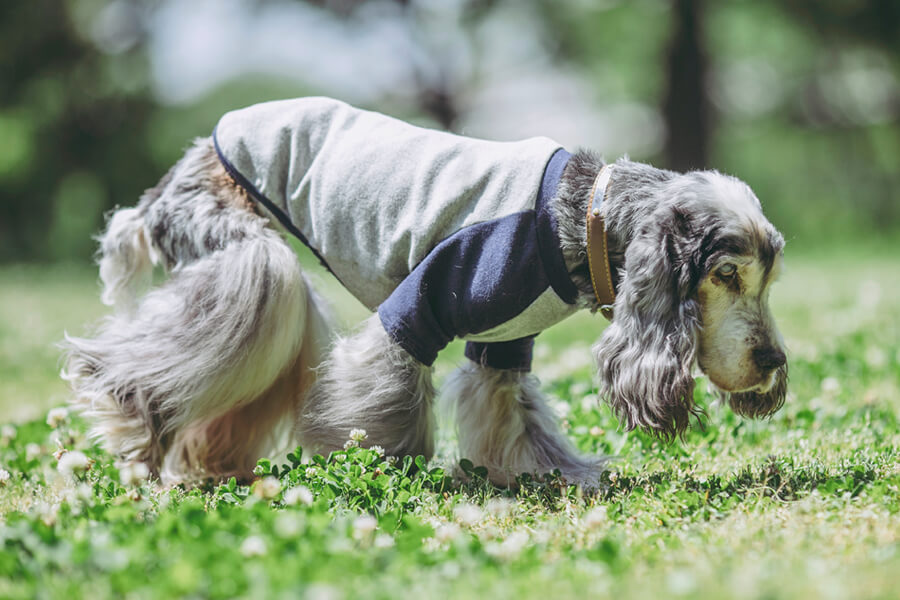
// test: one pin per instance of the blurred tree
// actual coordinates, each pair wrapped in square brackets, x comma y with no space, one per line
[686,105]
[875,22]
[438,93]
[799,98]
[73,122]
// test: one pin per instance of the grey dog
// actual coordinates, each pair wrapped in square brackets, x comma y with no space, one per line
[233,355]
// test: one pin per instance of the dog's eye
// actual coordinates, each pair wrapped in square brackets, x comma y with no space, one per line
[726,271]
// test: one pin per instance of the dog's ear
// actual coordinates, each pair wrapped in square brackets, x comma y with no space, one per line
[645,356]
[756,405]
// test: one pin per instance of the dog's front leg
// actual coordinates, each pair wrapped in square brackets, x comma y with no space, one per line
[505,424]
[369,382]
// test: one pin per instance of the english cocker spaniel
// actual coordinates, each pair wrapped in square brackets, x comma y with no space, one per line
[446,237]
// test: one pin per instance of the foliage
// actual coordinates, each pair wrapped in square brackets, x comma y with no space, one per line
[802,101]
[73,121]
[805,504]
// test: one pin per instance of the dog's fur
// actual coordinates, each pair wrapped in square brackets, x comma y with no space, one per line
[231,357]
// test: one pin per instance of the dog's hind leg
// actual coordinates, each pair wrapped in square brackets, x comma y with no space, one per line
[231,443]
[369,382]
[126,259]
[212,339]
[504,424]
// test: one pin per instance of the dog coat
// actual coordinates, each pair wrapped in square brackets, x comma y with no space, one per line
[446,236]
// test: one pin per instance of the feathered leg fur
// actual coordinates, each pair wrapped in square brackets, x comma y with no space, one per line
[504,424]
[369,382]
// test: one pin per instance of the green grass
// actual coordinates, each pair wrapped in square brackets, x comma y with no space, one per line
[802,505]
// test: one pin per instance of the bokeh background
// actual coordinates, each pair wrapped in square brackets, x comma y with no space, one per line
[799,98]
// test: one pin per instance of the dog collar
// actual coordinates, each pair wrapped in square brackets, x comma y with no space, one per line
[597,251]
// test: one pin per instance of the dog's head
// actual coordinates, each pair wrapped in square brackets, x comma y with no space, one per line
[695,290]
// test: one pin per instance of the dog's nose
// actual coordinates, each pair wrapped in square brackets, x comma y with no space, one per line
[768,358]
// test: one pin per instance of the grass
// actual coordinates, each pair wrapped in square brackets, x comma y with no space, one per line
[805,504]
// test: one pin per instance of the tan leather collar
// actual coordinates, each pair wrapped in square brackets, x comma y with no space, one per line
[598,254]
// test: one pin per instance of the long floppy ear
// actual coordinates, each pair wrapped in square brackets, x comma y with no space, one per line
[756,405]
[645,356]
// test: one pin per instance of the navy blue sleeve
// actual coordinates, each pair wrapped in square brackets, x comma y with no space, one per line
[512,356]
[476,279]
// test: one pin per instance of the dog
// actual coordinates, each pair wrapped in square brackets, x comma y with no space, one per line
[233,355]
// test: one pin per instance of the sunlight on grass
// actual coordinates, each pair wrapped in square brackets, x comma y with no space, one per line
[804,504]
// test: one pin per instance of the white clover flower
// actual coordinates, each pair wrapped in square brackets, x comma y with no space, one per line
[73,462]
[364,526]
[681,582]
[268,487]
[488,532]
[579,388]
[288,524]
[869,294]
[451,570]
[499,507]
[351,444]
[133,473]
[517,541]
[4,476]
[467,514]
[509,548]
[322,591]
[358,435]
[311,471]
[876,357]
[447,532]
[57,416]
[377,449]
[596,517]
[596,431]
[831,385]
[253,546]
[8,432]
[60,449]
[298,495]
[84,493]
[383,540]
[48,513]
[542,536]
[32,451]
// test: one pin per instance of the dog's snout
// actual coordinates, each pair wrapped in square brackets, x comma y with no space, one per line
[768,358]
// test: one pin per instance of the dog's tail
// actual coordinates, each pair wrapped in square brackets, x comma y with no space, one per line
[162,381]
[126,259]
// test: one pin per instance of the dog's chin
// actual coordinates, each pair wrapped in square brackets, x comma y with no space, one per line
[762,386]
[739,387]
[759,400]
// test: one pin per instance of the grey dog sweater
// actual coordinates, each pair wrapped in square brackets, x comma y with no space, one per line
[447,236]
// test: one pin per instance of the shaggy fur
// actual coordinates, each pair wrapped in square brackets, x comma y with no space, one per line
[231,358]
[504,423]
[392,402]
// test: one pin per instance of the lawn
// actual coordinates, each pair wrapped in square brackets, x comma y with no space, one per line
[802,505]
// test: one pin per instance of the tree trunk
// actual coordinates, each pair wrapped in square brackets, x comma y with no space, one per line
[686,107]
